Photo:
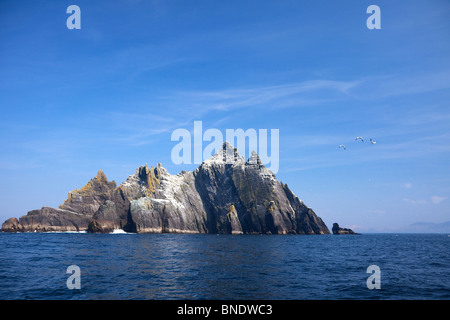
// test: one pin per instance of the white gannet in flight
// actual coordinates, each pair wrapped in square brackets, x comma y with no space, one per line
[359,138]
[373,142]
[342,146]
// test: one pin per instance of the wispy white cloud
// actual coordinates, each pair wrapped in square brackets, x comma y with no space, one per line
[139,129]
[132,118]
[424,119]
[20,164]
[277,96]
[437,199]
[434,200]
[415,202]
[391,85]
[317,91]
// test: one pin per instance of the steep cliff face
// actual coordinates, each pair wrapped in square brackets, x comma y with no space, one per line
[243,197]
[225,194]
[172,205]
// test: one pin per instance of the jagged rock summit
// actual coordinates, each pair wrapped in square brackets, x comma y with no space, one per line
[225,194]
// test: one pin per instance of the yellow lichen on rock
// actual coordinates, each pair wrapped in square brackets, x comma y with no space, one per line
[271,207]
[101,176]
[231,212]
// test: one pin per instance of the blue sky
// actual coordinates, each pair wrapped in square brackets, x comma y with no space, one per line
[110,94]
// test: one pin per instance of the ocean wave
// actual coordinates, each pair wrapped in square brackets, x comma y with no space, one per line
[119,231]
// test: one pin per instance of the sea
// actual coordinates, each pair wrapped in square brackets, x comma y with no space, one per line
[118,266]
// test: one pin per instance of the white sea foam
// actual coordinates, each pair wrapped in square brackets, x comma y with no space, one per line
[118,231]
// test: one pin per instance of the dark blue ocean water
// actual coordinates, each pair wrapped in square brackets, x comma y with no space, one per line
[174,266]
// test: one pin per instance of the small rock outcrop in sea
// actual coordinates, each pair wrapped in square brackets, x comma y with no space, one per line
[225,194]
[338,230]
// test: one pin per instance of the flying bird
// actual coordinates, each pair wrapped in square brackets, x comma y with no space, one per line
[359,138]
[342,146]
[373,142]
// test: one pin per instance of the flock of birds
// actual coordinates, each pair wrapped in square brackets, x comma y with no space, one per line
[356,139]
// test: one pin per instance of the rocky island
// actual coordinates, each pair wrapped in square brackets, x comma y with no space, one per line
[225,194]
[338,230]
